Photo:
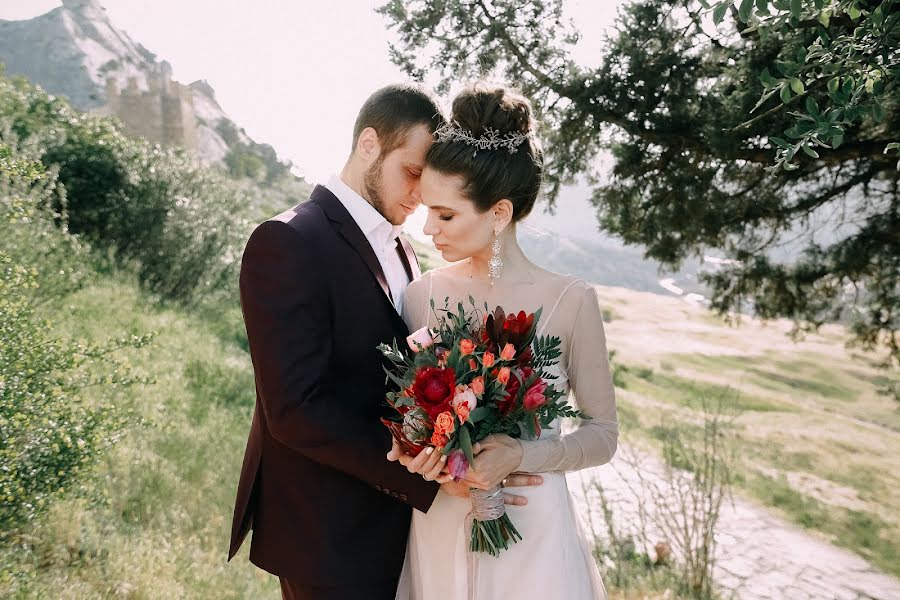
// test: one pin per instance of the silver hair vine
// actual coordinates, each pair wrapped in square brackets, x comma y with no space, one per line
[489,140]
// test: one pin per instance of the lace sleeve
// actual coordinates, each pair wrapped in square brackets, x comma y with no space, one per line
[594,441]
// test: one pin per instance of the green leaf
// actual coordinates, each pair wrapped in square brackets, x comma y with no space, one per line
[719,12]
[766,78]
[877,113]
[809,151]
[762,5]
[854,11]
[796,8]
[465,444]
[744,10]
[877,16]
[834,84]
[478,414]
[811,106]
[785,93]
[825,17]
[797,85]
[891,146]
[778,142]
[837,140]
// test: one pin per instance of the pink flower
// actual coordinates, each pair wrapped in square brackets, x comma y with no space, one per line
[503,375]
[466,346]
[420,339]
[458,464]
[534,397]
[487,360]
[464,395]
[508,352]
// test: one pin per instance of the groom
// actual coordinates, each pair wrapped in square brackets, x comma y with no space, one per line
[321,286]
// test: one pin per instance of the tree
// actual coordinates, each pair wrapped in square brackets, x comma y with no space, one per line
[695,116]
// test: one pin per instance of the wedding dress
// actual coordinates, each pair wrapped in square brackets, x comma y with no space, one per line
[553,560]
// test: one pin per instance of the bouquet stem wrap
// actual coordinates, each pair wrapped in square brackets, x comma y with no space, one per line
[492,531]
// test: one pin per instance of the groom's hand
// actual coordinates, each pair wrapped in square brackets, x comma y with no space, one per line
[461,488]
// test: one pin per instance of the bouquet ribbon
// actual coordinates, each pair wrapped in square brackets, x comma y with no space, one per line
[487,505]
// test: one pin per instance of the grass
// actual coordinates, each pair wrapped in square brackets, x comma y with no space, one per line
[687,392]
[865,533]
[162,531]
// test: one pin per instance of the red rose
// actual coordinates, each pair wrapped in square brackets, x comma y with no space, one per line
[434,389]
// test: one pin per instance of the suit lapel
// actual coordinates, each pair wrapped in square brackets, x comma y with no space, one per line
[350,231]
[353,235]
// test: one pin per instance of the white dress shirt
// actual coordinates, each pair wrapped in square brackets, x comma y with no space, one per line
[381,234]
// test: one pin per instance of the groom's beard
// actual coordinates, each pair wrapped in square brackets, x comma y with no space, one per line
[372,184]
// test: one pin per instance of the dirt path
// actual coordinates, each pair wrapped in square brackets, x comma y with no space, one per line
[760,555]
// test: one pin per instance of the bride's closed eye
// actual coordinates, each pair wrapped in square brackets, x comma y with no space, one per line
[445,217]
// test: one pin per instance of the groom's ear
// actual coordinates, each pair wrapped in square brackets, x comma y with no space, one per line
[367,145]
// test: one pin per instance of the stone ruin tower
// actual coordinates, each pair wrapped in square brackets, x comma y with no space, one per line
[163,113]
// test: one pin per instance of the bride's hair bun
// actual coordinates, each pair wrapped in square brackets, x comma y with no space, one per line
[499,108]
[496,173]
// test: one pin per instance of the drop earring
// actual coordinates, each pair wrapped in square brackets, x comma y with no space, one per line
[495,265]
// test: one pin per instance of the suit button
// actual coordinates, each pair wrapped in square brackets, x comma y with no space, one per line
[403,497]
[378,487]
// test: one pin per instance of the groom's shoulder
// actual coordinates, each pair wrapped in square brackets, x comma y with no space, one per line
[303,223]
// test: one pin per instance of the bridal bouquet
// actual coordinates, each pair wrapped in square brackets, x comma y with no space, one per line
[472,377]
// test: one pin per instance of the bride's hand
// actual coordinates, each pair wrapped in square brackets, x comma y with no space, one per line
[496,457]
[429,463]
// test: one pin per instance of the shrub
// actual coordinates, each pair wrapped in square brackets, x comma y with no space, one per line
[50,431]
[179,225]
[31,230]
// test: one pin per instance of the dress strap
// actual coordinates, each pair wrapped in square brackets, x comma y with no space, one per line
[552,310]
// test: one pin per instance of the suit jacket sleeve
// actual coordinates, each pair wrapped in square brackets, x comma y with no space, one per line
[284,298]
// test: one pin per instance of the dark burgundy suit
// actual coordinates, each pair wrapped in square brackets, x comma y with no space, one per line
[326,507]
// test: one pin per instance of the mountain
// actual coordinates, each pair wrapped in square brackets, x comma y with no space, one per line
[569,240]
[76,51]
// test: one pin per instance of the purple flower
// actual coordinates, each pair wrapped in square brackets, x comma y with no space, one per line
[458,464]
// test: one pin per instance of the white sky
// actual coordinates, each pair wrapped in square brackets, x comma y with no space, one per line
[293,74]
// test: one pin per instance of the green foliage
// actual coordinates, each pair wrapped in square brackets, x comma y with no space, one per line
[50,431]
[30,228]
[179,225]
[852,64]
[256,161]
[677,103]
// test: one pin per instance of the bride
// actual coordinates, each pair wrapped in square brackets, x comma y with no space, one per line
[481,177]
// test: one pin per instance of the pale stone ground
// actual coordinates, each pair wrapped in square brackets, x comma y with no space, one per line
[760,556]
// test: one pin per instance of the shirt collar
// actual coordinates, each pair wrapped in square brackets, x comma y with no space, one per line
[370,221]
